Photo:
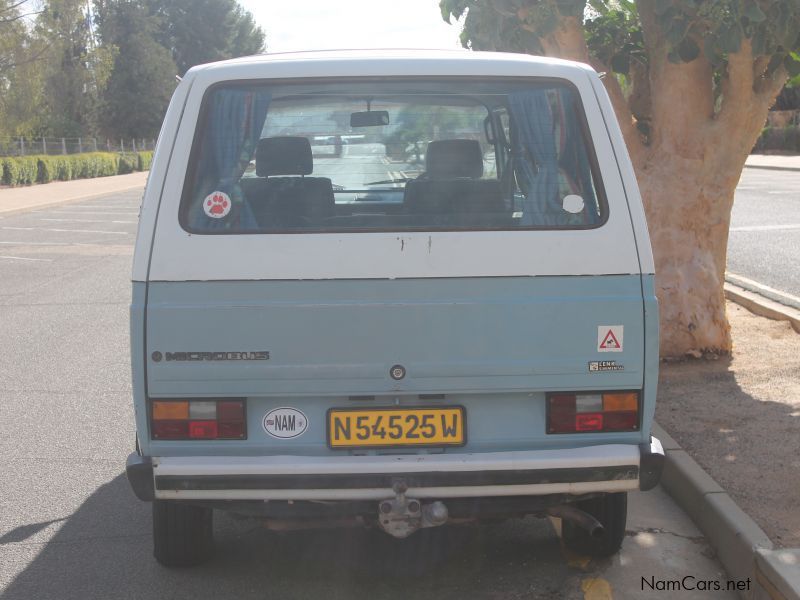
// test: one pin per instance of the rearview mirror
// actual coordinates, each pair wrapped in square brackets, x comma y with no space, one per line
[370,118]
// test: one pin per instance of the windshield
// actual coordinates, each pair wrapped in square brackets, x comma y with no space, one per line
[391,155]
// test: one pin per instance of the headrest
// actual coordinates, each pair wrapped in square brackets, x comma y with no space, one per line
[283,156]
[454,158]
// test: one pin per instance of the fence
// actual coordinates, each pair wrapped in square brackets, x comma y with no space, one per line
[20,146]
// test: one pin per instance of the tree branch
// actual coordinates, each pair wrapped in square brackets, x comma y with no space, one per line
[567,41]
[621,108]
[13,6]
[650,31]
[7,20]
[766,86]
[737,84]
[7,64]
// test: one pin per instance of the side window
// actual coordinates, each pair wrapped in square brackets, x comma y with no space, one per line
[554,184]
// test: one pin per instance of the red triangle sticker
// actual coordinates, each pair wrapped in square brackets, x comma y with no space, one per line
[610,341]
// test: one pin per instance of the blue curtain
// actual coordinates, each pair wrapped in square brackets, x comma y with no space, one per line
[539,156]
[232,131]
[535,156]
[573,158]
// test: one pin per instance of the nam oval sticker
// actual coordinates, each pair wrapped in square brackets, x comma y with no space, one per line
[285,423]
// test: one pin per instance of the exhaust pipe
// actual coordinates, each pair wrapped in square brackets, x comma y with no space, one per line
[580,518]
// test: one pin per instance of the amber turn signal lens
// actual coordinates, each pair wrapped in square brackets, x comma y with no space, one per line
[163,410]
[617,402]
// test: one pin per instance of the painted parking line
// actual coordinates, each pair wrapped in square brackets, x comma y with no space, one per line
[90,221]
[786,227]
[66,230]
[25,243]
[26,258]
[88,212]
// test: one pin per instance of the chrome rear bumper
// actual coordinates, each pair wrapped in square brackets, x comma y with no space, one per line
[602,468]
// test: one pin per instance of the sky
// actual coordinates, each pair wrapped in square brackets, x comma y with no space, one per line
[333,24]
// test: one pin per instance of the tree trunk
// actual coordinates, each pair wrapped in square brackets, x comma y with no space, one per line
[688,203]
[688,176]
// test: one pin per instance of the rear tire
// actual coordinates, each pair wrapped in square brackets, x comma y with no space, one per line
[182,534]
[612,512]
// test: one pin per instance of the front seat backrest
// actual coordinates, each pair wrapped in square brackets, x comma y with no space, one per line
[452,184]
[452,159]
[288,198]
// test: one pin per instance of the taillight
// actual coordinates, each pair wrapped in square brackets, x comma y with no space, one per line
[581,413]
[198,420]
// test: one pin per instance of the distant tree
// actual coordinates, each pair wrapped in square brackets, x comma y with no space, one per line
[201,31]
[691,82]
[76,71]
[143,77]
[21,62]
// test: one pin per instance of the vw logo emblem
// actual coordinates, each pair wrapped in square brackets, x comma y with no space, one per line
[397,372]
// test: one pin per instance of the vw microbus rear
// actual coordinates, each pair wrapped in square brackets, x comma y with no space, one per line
[395,289]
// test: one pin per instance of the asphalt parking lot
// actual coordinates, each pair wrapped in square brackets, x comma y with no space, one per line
[71,528]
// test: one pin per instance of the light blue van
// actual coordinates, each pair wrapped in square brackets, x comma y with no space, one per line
[395,289]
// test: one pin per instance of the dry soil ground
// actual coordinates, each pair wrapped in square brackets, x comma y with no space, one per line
[739,417]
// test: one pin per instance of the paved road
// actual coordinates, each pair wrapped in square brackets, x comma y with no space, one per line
[71,528]
[764,242]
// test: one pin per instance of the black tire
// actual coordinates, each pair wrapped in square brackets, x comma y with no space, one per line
[182,534]
[612,512]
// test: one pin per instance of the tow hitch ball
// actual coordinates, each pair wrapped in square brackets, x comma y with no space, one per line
[401,516]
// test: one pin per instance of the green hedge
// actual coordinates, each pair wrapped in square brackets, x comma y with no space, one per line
[25,170]
[144,160]
[20,171]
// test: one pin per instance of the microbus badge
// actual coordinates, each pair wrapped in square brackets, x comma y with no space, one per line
[214,356]
[397,372]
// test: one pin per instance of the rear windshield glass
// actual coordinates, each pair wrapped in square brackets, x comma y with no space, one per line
[391,155]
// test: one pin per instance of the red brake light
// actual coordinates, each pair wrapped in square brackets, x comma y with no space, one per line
[203,430]
[589,422]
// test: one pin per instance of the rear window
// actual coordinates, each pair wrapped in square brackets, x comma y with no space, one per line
[391,155]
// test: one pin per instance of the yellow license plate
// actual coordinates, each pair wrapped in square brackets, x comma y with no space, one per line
[387,427]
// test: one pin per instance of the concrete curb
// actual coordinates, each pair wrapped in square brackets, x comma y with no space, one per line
[741,545]
[761,305]
[44,195]
[771,167]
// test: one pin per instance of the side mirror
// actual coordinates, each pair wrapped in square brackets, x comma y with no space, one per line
[370,118]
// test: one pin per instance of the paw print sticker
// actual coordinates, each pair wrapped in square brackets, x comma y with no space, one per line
[217,205]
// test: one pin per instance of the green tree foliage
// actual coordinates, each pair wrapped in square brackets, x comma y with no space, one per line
[107,67]
[201,31]
[614,34]
[143,77]
[20,68]
[414,128]
[76,71]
